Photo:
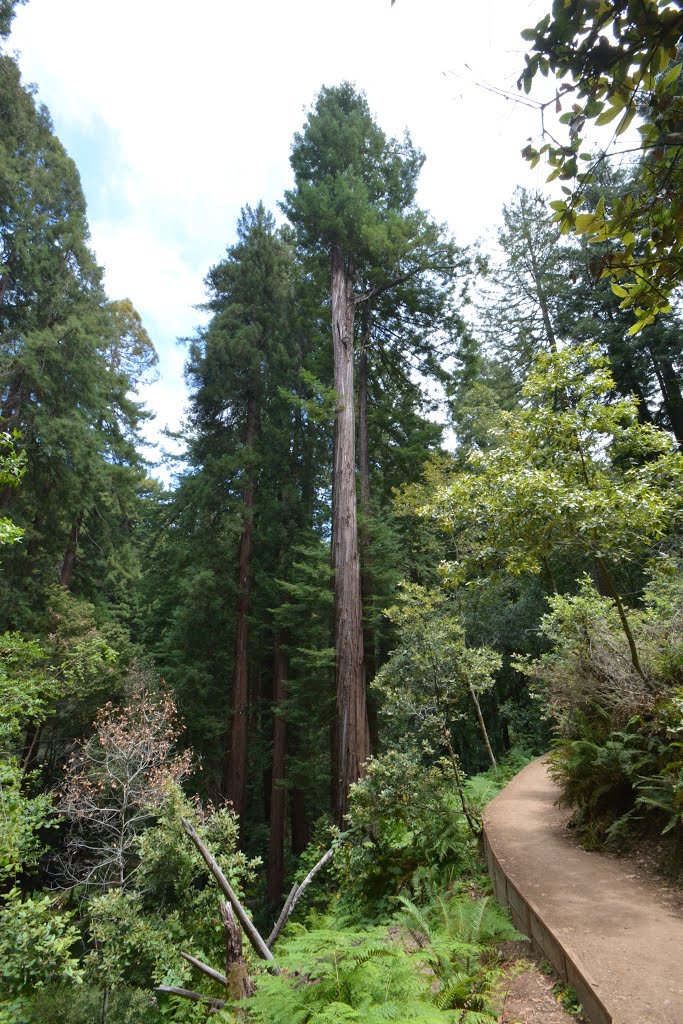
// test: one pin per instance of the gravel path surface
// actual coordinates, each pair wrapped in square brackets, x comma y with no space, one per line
[624,932]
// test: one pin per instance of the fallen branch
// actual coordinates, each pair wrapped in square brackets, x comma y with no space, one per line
[249,928]
[205,969]
[294,895]
[186,993]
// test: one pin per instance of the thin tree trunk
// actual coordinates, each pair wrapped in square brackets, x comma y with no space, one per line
[352,740]
[29,755]
[540,293]
[300,830]
[483,729]
[475,826]
[235,768]
[278,793]
[608,588]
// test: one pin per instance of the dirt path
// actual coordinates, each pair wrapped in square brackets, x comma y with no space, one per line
[623,931]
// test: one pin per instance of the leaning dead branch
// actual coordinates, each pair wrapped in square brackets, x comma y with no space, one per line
[236,980]
[295,893]
[186,993]
[205,969]
[250,929]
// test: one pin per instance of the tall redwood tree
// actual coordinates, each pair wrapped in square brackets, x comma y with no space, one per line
[353,207]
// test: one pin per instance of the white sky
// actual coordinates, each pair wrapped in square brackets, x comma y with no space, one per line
[178,114]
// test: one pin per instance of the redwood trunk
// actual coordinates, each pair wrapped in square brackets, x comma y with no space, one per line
[352,738]
[300,831]
[670,387]
[69,563]
[235,772]
[365,545]
[278,793]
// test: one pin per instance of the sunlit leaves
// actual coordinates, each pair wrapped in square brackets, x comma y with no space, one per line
[615,57]
[569,472]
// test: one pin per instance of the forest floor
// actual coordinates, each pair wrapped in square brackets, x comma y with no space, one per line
[621,921]
[531,992]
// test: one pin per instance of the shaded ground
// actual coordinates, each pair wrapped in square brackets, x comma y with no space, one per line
[623,925]
[528,993]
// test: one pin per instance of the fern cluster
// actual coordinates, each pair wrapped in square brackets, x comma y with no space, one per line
[626,781]
[453,934]
[334,974]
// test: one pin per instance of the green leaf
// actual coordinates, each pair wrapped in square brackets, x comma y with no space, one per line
[610,114]
[626,120]
[669,78]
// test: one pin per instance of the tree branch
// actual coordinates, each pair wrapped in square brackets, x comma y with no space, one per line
[249,928]
[294,895]
[205,969]
[187,993]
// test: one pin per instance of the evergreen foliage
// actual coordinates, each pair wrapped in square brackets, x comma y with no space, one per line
[320,545]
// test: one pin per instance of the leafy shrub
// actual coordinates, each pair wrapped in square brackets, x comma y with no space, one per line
[618,759]
[59,1005]
[36,948]
[136,936]
[404,822]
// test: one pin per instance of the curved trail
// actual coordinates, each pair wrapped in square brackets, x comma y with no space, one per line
[620,934]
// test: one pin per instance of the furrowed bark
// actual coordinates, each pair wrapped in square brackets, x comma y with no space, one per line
[366,587]
[235,768]
[278,793]
[352,736]
[240,985]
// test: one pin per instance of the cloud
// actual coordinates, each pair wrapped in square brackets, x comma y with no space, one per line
[178,116]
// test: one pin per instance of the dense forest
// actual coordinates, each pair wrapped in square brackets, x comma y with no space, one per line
[426,526]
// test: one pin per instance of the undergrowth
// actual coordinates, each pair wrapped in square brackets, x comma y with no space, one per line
[408,935]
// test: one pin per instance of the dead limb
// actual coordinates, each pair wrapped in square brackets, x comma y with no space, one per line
[249,928]
[295,893]
[186,993]
[205,969]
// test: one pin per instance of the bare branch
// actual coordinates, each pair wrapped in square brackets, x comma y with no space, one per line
[205,969]
[294,895]
[187,993]
[284,914]
[249,928]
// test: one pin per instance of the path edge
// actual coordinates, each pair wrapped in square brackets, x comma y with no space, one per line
[528,919]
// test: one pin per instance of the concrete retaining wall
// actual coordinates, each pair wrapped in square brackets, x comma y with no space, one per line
[528,919]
